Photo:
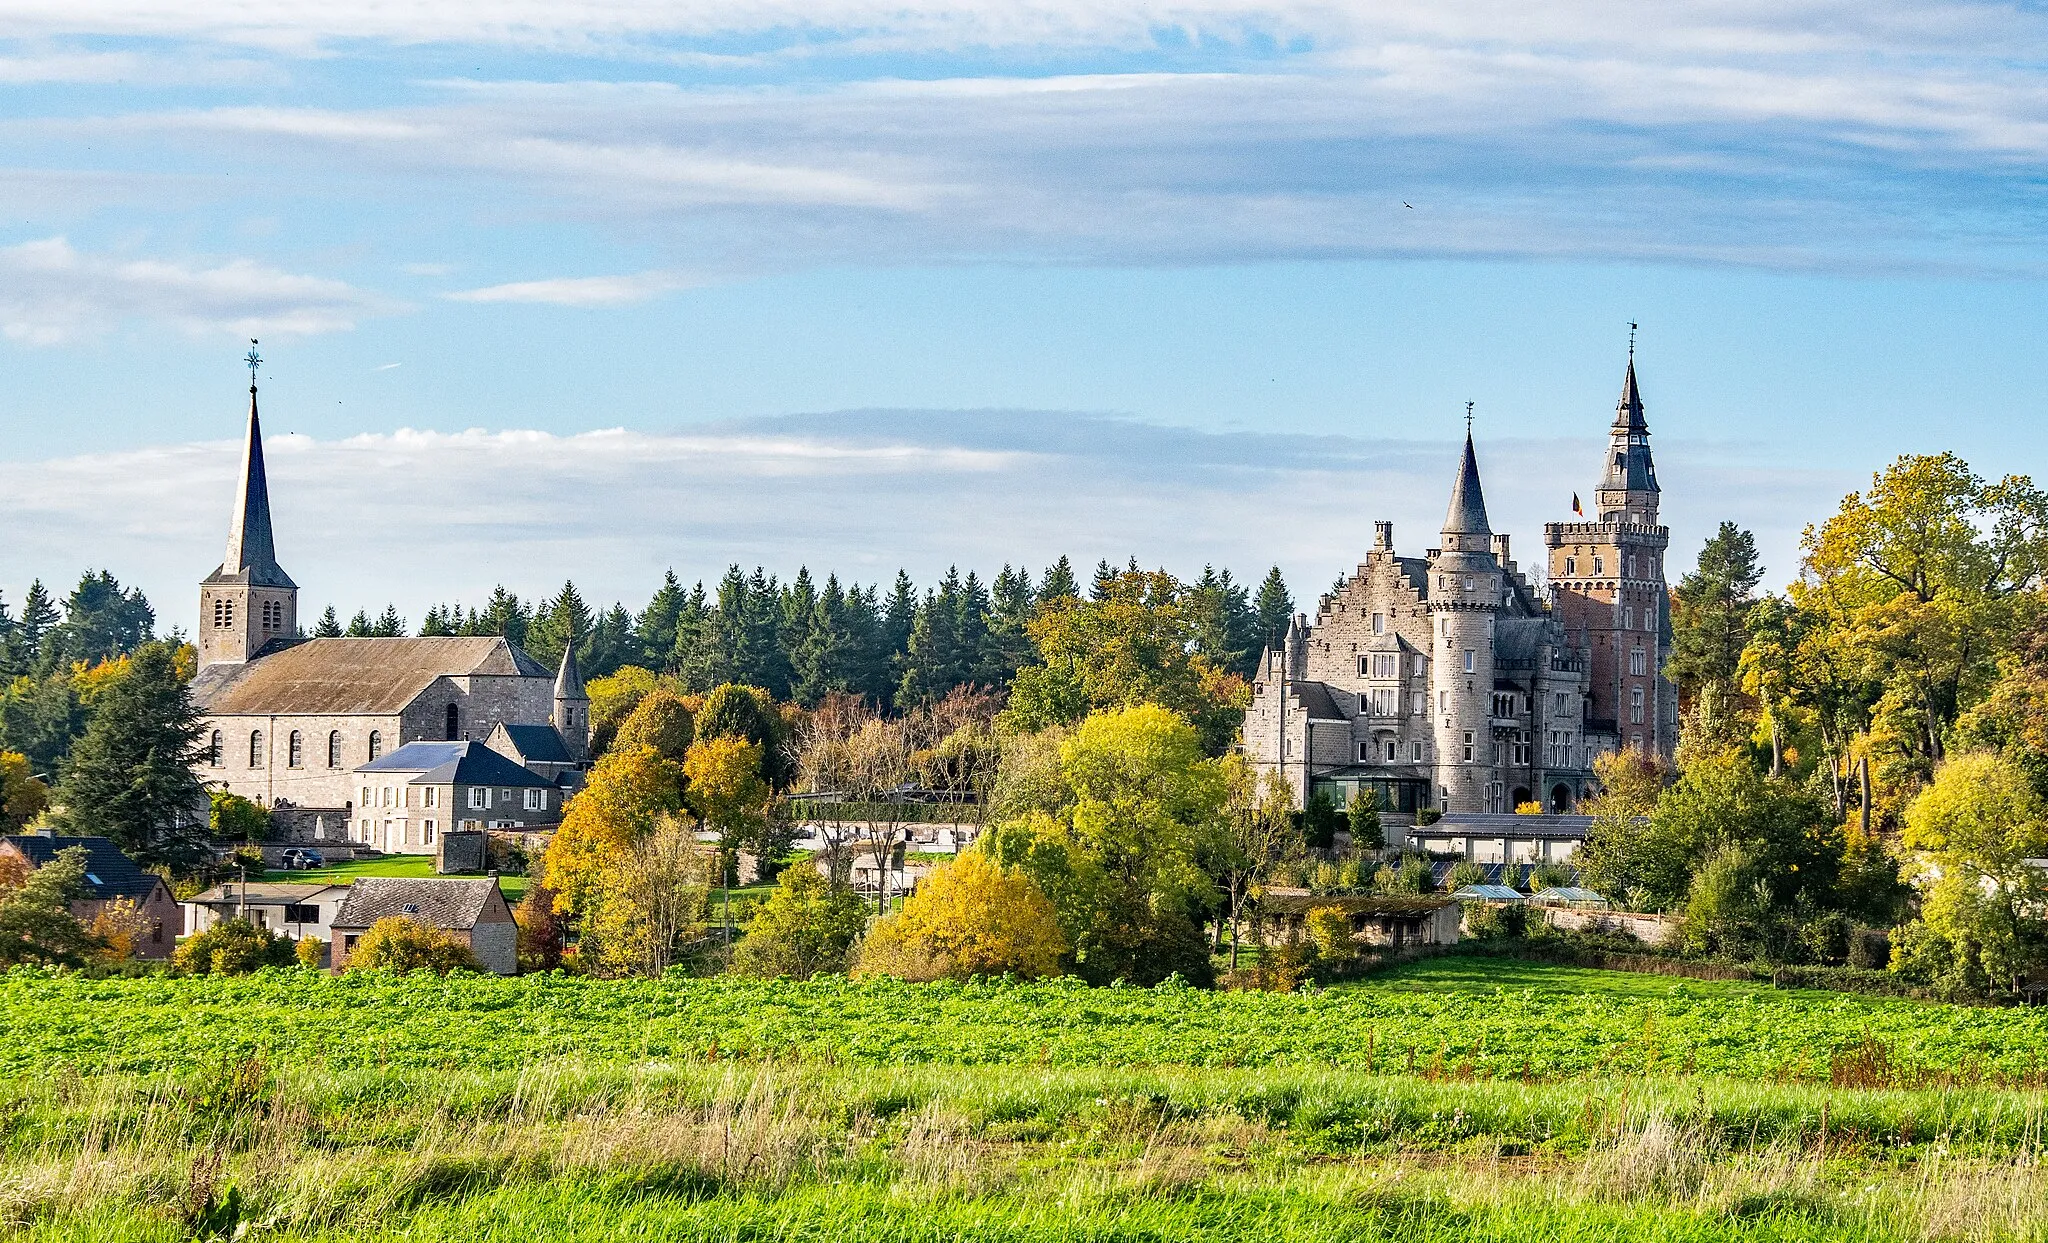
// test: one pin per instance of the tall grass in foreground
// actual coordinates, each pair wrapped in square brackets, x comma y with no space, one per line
[564,1151]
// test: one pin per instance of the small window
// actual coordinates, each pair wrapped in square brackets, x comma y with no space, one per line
[1635,705]
[295,754]
[454,723]
[1416,750]
[1628,617]
[1571,566]
[1599,566]
[430,797]
[1364,752]
[255,748]
[1379,623]
[478,798]
[334,749]
[410,908]
[224,614]
[301,913]
[1468,746]
[1471,658]
[376,745]
[1393,749]
[213,750]
[426,832]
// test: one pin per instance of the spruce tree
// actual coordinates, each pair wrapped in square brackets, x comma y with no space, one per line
[1010,612]
[101,621]
[1104,582]
[130,778]
[38,619]
[555,622]
[1710,612]
[824,663]
[389,625]
[760,658]
[898,616]
[656,627]
[976,663]
[436,624]
[871,671]
[799,605]
[329,625]
[1275,609]
[505,615]
[611,644]
[359,626]
[1058,583]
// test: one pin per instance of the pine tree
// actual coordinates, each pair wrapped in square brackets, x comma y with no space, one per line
[131,776]
[898,617]
[1010,611]
[1275,610]
[389,625]
[657,624]
[826,662]
[1709,614]
[1058,583]
[1104,581]
[101,622]
[359,626]
[505,616]
[329,625]
[437,623]
[1226,628]
[563,617]
[976,661]
[799,606]
[870,671]
[610,645]
[38,619]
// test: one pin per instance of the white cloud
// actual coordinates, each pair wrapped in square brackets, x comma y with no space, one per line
[50,293]
[581,291]
[859,493]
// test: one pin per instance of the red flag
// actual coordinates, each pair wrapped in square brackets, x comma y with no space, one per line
[1575,506]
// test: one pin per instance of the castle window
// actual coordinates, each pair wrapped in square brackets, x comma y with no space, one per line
[295,751]
[1636,662]
[213,750]
[1628,565]
[1386,665]
[1417,747]
[255,748]
[1635,705]
[334,749]
[1443,701]
[1599,565]
[1364,752]
[1628,617]
[1649,619]
[454,723]
[1571,565]
[536,800]
[1521,750]
[1468,582]
[1468,746]
[376,745]
[273,615]
[1419,703]
[1471,659]
[1363,666]
[1393,749]
[1379,623]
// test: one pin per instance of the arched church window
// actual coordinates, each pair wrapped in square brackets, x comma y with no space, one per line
[454,722]
[295,751]
[376,745]
[255,748]
[223,614]
[213,750]
[334,749]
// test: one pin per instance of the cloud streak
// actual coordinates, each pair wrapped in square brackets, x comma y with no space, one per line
[860,493]
[579,291]
[52,293]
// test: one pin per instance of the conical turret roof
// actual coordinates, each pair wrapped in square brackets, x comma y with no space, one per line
[1467,515]
[569,679]
[252,553]
[1628,412]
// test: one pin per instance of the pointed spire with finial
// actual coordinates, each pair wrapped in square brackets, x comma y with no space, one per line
[568,678]
[1467,514]
[1628,412]
[252,553]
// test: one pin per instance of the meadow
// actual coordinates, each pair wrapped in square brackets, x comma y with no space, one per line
[1452,1099]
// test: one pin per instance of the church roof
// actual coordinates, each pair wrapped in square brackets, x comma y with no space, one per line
[342,677]
[252,554]
[1467,515]
[569,679]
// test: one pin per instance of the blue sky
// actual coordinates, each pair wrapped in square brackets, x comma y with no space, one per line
[864,285]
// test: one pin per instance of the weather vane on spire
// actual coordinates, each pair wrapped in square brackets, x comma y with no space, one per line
[254,360]
[1468,420]
[1631,340]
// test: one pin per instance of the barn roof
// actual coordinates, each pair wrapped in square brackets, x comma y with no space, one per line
[451,904]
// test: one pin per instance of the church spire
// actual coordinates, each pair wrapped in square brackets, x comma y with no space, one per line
[572,704]
[252,554]
[1467,515]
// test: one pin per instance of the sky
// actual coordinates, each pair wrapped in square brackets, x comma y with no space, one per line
[594,289]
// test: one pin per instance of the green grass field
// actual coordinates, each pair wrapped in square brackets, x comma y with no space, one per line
[514,887]
[1452,1099]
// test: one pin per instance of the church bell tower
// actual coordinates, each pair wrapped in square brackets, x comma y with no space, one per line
[248,603]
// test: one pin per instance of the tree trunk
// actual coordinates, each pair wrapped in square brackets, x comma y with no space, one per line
[1777,747]
[1864,821]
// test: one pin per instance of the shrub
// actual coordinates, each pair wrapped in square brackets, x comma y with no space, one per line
[970,917]
[311,953]
[1464,872]
[806,928]
[1363,817]
[237,819]
[1488,921]
[403,944]
[232,947]
[1531,808]
[119,926]
[1330,929]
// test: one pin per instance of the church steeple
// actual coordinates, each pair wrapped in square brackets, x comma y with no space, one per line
[248,602]
[1628,490]
[572,704]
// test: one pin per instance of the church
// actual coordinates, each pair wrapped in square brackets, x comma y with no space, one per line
[1451,682]
[310,727]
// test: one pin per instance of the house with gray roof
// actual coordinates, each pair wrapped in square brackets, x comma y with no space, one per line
[110,876]
[290,719]
[405,800]
[474,910]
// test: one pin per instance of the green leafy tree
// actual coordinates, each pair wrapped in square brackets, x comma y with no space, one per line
[400,943]
[1362,817]
[1977,825]
[233,947]
[131,775]
[237,819]
[661,720]
[1709,617]
[807,927]
[23,796]
[36,923]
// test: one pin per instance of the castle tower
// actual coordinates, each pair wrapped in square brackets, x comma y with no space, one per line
[1464,597]
[249,602]
[572,705]
[1608,588]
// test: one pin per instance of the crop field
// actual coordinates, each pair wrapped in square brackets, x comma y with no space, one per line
[1456,1099]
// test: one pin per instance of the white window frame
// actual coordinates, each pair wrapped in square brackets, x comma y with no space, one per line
[479,798]
[1471,660]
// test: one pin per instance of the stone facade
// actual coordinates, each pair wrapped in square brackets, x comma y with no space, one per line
[1452,682]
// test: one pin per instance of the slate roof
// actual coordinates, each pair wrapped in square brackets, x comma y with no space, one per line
[341,677]
[1495,824]
[538,744]
[456,763]
[108,872]
[452,904]
[1467,514]
[1519,640]
[1314,698]
[252,555]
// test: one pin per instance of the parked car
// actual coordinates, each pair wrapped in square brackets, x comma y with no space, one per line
[296,860]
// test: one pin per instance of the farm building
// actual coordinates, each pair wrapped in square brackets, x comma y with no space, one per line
[474,910]
[1377,920]
[295,910]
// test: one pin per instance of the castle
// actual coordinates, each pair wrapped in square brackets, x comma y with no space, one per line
[328,732]
[1449,682]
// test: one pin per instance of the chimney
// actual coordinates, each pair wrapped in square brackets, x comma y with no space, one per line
[1382,535]
[1500,548]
